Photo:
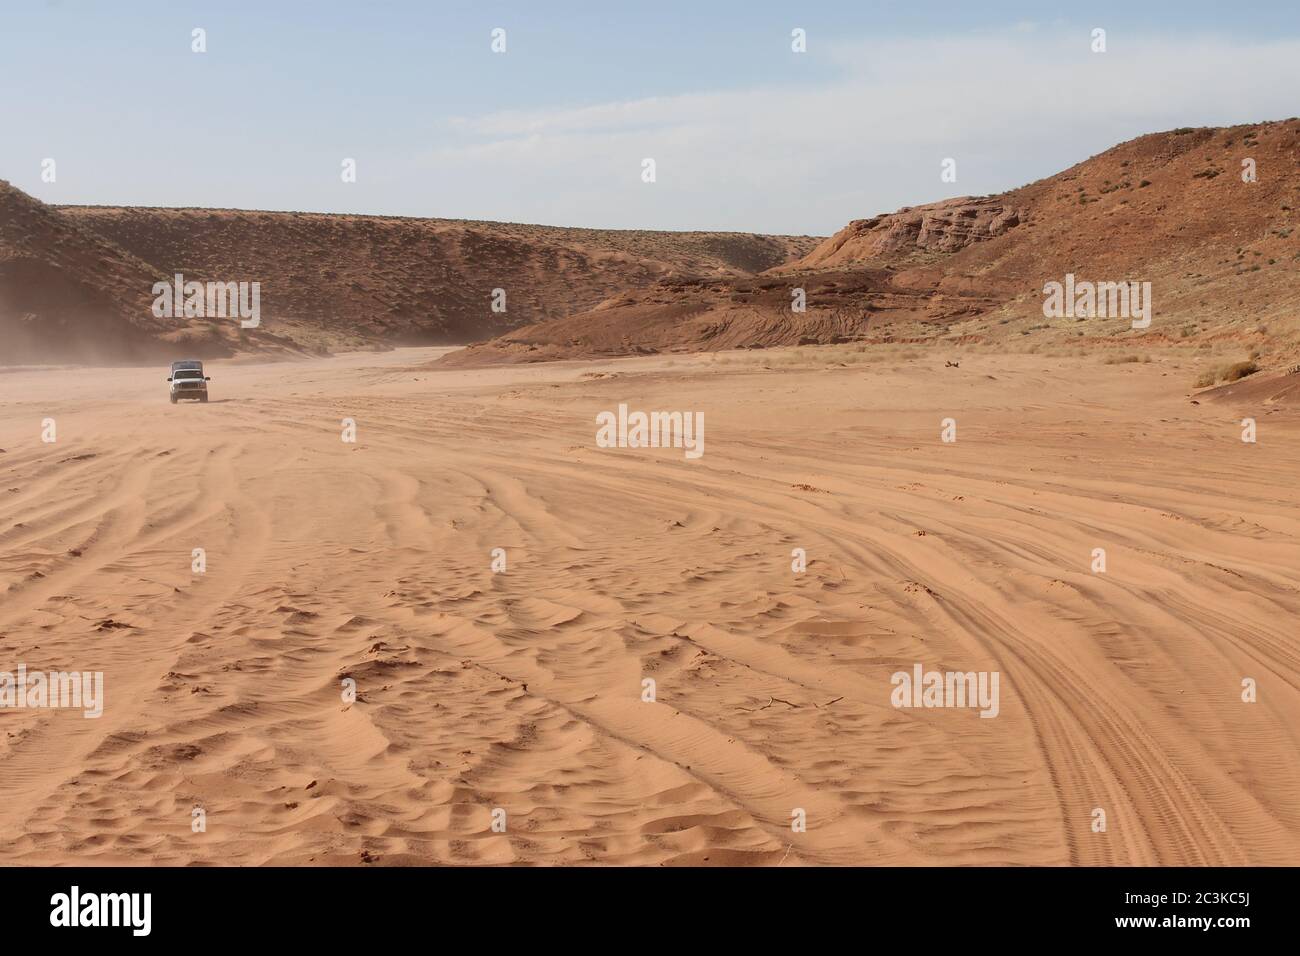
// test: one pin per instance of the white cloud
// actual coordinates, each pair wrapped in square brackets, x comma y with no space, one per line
[1009,107]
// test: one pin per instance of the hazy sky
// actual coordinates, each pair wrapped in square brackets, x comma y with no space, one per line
[745,133]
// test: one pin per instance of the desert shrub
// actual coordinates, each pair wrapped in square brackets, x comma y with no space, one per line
[1232,372]
[1239,370]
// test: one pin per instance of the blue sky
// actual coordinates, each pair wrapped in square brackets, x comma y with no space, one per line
[745,133]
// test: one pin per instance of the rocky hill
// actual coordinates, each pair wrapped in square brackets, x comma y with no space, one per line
[1173,209]
[76,281]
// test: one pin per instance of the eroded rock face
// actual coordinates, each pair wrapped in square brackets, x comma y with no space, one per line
[946,226]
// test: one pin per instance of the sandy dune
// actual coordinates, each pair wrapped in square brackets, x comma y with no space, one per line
[522,690]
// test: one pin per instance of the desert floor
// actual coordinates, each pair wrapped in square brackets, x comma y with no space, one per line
[1120,691]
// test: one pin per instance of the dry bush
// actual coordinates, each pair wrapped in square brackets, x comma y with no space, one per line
[1231,372]
[1239,370]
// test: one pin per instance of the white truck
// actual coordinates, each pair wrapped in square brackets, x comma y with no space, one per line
[188,381]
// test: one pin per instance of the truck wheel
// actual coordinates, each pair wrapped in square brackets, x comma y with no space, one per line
[203,399]
[173,398]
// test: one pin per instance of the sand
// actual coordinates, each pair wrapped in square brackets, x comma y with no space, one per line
[371,561]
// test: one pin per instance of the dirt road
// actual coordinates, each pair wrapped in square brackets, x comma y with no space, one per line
[523,690]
